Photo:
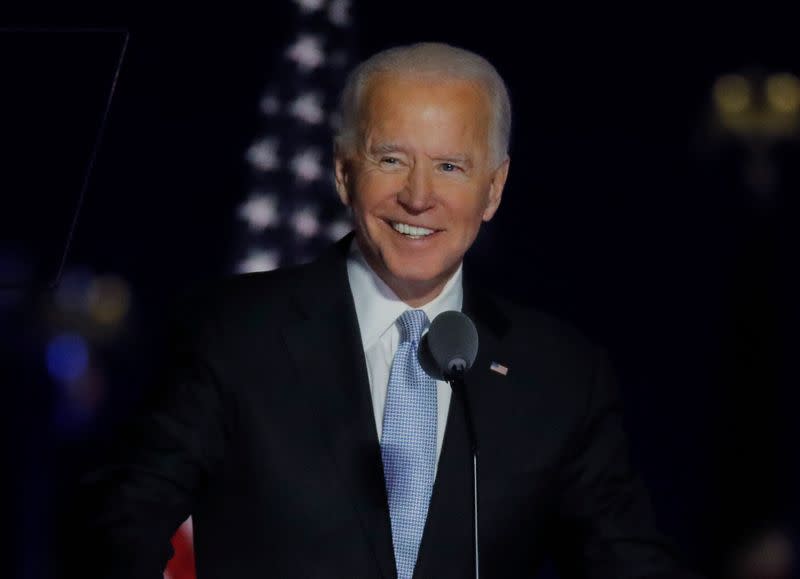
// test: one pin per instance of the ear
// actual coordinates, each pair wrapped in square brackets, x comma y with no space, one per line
[342,175]
[498,181]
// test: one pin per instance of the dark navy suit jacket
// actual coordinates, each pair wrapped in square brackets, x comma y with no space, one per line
[264,432]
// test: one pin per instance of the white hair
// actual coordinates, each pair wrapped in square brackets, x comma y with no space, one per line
[428,58]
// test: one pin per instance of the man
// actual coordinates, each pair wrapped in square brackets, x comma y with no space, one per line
[302,436]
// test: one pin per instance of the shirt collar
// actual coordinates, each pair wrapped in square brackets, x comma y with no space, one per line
[378,307]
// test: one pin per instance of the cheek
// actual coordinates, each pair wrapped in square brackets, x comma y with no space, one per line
[469,211]
[374,186]
[374,205]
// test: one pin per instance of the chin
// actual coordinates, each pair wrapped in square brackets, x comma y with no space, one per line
[416,273]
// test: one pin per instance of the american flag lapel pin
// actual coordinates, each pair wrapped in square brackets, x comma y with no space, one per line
[499,368]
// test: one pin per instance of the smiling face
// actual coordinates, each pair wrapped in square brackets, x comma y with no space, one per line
[421,180]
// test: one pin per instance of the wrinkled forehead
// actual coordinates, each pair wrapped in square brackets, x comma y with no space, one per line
[432,101]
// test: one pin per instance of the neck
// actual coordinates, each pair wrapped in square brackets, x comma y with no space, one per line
[416,294]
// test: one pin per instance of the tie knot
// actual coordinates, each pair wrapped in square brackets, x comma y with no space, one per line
[411,324]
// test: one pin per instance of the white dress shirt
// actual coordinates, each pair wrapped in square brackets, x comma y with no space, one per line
[377,309]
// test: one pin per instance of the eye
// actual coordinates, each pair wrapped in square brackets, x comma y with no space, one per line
[392,161]
[450,167]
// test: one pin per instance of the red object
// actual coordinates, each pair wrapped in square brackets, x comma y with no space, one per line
[181,566]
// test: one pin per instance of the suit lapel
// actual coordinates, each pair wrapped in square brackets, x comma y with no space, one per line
[325,345]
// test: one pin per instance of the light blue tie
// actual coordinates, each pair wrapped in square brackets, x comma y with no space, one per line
[408,443]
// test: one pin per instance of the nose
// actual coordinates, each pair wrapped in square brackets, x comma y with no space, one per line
[417,194]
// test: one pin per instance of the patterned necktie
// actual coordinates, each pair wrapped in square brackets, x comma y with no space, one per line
[408,443]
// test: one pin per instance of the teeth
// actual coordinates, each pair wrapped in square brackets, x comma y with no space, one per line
[406,229]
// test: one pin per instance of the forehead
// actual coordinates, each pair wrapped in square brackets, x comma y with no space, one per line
[392,100]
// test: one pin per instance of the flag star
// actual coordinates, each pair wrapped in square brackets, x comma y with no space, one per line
[260,211]
[305,223]
[269,104]
[338,12]
[309,6]
[339,229]
[308,107]
[307,166]
[263,154]
[259,260]
[307,52]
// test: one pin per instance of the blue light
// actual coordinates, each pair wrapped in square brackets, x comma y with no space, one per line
[67,357]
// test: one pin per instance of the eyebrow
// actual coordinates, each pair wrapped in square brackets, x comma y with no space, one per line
[387,148]
[454,158]
[395,148]
[382,148]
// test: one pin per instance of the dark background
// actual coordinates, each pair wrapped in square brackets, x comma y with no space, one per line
[621,214]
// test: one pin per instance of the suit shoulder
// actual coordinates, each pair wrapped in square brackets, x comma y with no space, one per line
[234,297]
[535,330]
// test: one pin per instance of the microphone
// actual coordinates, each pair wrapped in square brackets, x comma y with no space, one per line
[450,346]
[446,352]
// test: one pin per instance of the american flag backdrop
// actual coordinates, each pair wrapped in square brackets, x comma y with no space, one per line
[291,211]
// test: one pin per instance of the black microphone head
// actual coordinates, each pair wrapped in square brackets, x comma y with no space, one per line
[450,346]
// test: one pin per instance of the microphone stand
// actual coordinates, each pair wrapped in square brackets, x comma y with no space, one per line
[456,380]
